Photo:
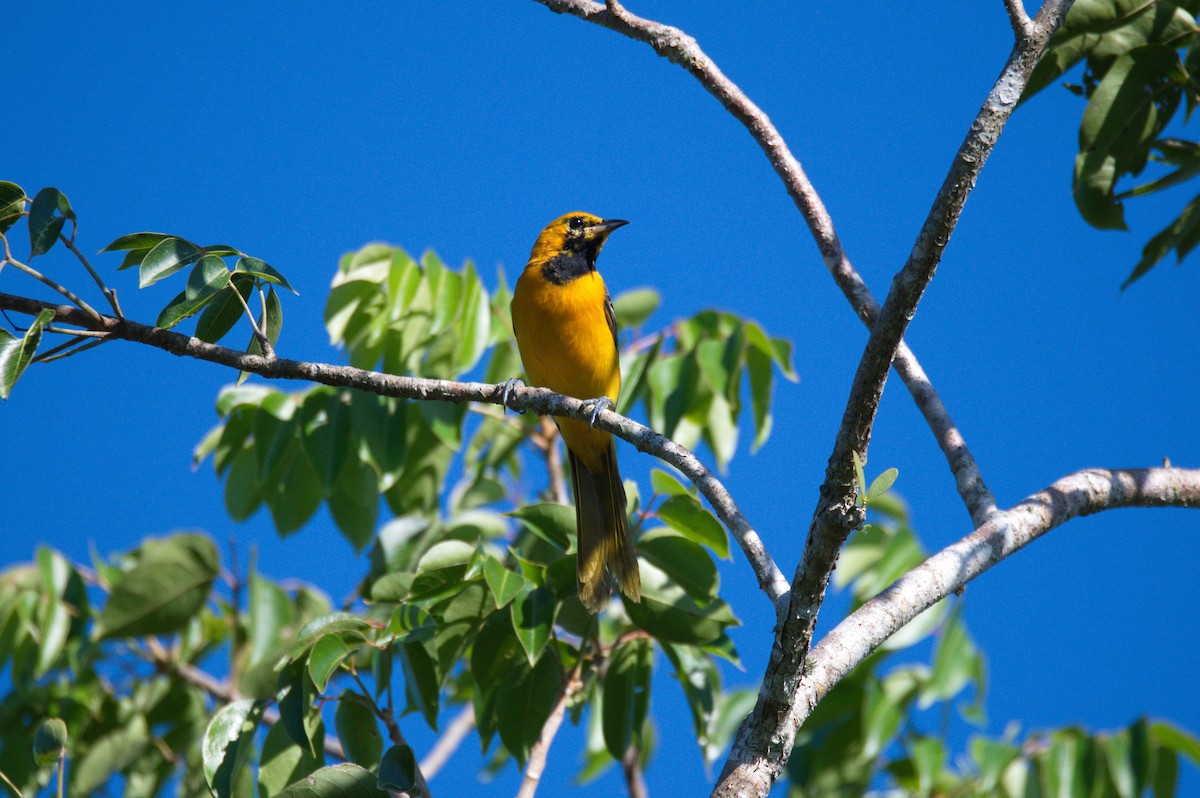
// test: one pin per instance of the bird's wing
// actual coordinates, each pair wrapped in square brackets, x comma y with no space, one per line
[611,316]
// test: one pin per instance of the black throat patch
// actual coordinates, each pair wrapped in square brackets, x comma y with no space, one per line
[568,265]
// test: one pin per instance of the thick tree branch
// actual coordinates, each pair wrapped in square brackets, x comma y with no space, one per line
[679,48]
[1082,493]
[537,400]
[851,641]
[765,740]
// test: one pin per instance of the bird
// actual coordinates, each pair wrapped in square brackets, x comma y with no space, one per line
[566,333]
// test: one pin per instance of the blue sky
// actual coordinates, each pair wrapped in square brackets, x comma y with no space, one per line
[298,133]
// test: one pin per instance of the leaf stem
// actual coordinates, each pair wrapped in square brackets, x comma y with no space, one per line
[34,273]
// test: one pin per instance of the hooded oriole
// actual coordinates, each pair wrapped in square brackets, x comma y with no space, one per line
[567,335]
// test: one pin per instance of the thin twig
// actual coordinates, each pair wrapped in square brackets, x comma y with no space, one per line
[631,767]
[76,333]
[448,743]
[259,335]
[537,400]
[223,692]
[554,462]
[108,294]
[388,717]
[538,753]
[11,786]
[50,356]
[35,274]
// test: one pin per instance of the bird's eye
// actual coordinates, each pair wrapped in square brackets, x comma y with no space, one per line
[576,223]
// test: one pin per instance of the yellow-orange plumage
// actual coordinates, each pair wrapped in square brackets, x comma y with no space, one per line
[566,333]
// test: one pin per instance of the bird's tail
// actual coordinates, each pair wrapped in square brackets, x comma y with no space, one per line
[605,545]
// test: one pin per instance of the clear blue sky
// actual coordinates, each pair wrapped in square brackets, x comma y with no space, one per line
[300,131]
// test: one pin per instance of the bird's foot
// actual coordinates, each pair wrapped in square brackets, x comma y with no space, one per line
[506,389]
[599,405]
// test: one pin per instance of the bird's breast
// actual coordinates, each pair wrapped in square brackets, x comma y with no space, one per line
[564,336]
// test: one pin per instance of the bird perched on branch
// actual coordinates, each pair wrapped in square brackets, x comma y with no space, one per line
[567,335]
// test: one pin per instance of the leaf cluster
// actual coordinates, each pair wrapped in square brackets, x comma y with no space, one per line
[1141,76]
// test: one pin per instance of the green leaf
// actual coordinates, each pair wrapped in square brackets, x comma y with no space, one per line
[337,781]
[269,616]
[882,483]
[686,515]
[44,226]
[689,565]
[334,623]
[523,703]
[137,242]
[533,618]
[991,758]
[326,656]
[49,742]
[954,662]
[17,353]
[1178,740]
[110,754]
[62,598]
[669,614]
[262,270]
[1126,112]
[325,420]
[701,684]
[354,502]
[12,203]
[169,585]
[165,258]
[504,584]
[633,307]
[178,309]
[627,695]
[358,730]
[223,312]
[860,480]
[553,523]
[666,485]
[929,759]
[296,713]
[243,494]
[421,684]
[283,762]
[270,322]
[1157,247]
[227,743]
[206,279]
[398,770]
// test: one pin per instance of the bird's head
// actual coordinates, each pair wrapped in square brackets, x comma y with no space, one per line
[579,234]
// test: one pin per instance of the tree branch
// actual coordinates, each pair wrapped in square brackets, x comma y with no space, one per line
[537,400]
[1021,24]
[631,767]
[225,692]
[448,743]
[537,754]
[679,48]
[1081,493]
[764,740]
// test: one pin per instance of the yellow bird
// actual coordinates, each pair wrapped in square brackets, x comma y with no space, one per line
[567,335]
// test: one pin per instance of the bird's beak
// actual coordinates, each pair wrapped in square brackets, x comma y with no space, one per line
[602,230]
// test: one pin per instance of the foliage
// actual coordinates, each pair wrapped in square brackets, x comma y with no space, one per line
[1141,68]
